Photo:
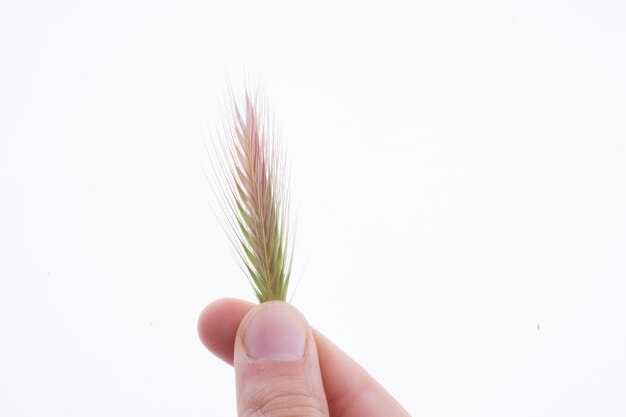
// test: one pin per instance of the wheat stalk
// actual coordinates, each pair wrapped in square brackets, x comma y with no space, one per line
[253,192]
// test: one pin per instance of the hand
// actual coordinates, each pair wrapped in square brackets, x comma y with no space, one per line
[284,368]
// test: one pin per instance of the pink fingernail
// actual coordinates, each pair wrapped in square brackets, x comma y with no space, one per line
[275,332]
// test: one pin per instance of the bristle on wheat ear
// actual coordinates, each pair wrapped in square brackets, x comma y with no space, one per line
[254,194]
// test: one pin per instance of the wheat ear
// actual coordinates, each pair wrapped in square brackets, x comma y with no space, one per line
[254,194]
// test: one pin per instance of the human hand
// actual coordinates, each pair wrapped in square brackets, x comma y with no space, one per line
[284,368]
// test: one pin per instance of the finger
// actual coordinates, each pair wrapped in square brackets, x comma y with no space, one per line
[350,390]
[276,364]
[218,324]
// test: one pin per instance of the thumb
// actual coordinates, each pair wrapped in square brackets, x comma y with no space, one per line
[276,365]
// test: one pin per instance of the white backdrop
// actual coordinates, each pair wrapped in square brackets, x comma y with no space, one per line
[459,170]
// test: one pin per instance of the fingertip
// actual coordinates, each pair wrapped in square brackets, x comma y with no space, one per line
[218,323]
[274,330]
[277,369]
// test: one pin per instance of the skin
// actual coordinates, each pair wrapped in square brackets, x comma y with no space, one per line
[324,382]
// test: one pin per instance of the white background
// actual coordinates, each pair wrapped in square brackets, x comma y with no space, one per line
[459,170]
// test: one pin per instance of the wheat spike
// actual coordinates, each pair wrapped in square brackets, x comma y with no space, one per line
[254,196]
